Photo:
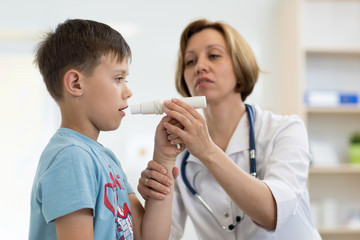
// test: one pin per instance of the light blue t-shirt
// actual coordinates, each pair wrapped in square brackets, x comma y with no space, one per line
[75,172]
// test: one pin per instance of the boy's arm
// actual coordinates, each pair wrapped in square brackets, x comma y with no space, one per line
[155,221]
[77,225]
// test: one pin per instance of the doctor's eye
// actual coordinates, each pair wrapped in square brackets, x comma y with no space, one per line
[189,62]
[214,56]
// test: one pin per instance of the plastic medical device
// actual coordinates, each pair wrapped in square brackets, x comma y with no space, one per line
[157,106]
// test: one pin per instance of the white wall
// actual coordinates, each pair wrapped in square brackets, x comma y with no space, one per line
[152,29]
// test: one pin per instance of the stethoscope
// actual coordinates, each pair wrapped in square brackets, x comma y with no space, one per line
[231,227]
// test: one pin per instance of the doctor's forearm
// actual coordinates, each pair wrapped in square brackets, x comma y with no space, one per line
[250,194]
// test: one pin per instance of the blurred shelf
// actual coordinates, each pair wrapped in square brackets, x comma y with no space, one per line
[335,110]
[321,50]
[333,50]
[338,169]
[339,231]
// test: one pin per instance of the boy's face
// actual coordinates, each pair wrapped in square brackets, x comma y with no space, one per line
[106,93]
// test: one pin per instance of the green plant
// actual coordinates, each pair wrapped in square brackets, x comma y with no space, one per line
[354,148]
[355,138]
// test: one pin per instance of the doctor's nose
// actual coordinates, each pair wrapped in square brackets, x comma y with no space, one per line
[201,67]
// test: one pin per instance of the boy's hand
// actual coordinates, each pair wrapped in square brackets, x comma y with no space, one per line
[154,183]
[167,145]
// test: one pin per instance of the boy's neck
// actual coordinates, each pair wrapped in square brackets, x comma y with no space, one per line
[92,134]
[74,121]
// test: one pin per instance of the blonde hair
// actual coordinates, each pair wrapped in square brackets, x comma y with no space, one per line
[243,59]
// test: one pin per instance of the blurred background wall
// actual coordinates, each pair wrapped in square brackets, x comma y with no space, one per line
[152,28]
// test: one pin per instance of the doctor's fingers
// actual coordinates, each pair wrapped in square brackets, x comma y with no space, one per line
[173,121]
[187,107]
[173,107]
[173,137]
[176,123]
[184,116]
[147,192]
[152,188]
[194,127]
[178,142]
[151,177]
[153,165]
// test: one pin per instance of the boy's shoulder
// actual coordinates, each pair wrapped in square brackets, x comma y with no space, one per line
[66,142]
[64,138]
[69,142]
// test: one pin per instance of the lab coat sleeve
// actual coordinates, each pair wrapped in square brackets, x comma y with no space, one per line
[287,168]
[179,215]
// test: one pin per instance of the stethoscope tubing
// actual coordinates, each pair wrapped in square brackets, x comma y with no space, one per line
[252,153]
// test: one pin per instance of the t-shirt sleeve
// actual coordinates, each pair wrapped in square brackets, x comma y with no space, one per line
[68,185]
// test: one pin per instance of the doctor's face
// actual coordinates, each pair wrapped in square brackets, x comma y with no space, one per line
[208,67]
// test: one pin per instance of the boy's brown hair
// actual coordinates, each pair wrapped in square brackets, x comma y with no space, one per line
[77,44]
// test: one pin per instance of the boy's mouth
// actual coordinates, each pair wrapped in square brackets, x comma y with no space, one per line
[122,109]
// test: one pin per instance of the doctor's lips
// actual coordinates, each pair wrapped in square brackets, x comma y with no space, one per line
[202,81]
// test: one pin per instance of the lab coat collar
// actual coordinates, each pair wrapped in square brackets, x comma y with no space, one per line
[239,141]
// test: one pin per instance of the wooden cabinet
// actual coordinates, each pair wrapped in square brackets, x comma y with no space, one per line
[320,42]
[335,199]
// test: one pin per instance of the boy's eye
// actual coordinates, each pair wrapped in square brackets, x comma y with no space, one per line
[121,79]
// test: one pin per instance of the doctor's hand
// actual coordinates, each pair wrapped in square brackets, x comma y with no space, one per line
[154,183]
[193,131]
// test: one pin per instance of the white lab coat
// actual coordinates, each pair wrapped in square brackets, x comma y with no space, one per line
[282,157]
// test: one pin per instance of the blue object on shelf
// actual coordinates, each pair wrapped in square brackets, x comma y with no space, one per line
[348,98]
[330,98]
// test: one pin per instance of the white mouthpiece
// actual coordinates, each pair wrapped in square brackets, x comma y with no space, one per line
[135,109]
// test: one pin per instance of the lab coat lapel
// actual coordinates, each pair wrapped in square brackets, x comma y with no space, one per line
[239,141]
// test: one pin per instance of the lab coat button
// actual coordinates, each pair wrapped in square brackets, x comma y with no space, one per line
[226,214]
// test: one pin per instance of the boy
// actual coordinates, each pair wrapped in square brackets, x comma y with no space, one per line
[80,190]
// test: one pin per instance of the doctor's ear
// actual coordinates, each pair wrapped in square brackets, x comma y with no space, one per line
[72,83]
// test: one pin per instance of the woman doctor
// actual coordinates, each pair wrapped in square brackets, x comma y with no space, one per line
[231,199]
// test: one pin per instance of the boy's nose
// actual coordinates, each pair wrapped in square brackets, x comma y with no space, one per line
[127,92]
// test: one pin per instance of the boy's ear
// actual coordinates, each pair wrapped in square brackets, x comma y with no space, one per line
[72,83]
